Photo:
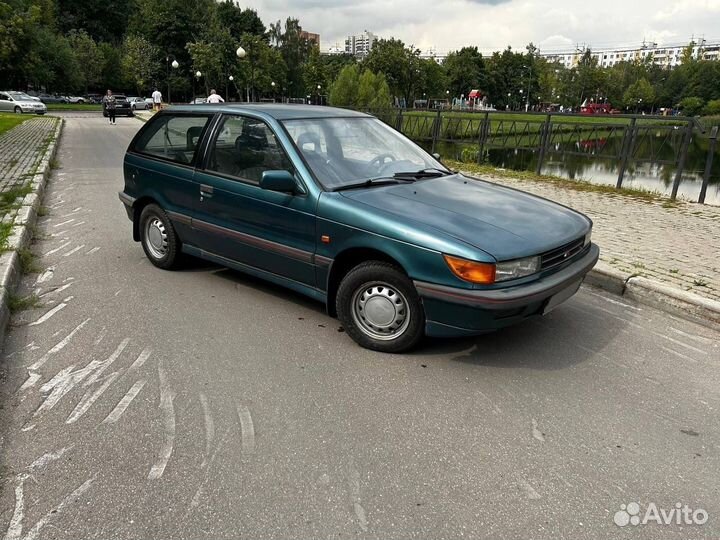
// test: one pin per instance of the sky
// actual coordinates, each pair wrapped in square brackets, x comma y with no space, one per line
[493,24]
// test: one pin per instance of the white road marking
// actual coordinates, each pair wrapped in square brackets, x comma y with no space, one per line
[530,492]
[15,528]
[536,432]
[101,335]
[74,250]
[701,339]
[679,354]
[58,347]
[55,291]
[612,301]
[671,340]
[35,531]
[78,224]
[209,429]
[64,223]
[247,429]
[45,276]
[124,403]
[141,359]
[49,314]
[168,410]
[93,250]
[100,366]
[53,251]
[89,398]
[354,483]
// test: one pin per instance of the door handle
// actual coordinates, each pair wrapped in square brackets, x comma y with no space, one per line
[205,191]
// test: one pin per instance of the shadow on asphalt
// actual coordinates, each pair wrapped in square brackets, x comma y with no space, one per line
[557,341]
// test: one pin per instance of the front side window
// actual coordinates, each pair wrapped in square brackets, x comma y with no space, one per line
[173,137]
[343,151]
[245,148]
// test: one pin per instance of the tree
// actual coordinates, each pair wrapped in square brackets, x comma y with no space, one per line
[401,66]
[89,58]
[344,91]
[140,62]
[103,21]
[692,106]
[239,21]
[466,71]
[640,94]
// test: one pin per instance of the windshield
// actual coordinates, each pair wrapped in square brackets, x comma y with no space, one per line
[19,96]
[344,151]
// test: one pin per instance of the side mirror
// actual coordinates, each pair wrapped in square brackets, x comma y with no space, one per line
[436,156]
[280,180]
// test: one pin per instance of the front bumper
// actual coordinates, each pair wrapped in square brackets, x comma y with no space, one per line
[453,311]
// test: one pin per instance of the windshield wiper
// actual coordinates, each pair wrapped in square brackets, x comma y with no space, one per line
[380,181]
[430,172]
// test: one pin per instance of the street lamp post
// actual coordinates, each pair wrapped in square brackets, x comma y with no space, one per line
[174,65]
[231,79]
[240,53]
[273,90]
[319,96]
[198,74]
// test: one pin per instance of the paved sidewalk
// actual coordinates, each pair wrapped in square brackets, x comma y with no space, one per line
[21,150]
[675,244]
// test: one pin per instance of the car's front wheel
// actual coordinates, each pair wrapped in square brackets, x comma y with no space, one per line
[380,308]
[18,110]
[159,239]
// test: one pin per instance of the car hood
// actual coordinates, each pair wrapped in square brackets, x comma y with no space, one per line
[501,221]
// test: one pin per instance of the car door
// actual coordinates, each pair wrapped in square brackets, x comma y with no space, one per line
[237,219]
[5,103]
[161,164]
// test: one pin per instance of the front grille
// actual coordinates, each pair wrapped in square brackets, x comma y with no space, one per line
[563,253]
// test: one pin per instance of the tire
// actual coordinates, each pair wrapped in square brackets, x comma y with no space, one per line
[18,110]
[158,237]
[397,321]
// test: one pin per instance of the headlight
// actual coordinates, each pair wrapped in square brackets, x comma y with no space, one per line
[474,272]
[517,268]
[587,241]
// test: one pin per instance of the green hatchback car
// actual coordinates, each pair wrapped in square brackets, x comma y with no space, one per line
[337,205]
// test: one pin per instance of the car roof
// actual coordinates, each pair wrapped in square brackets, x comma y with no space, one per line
[279,111]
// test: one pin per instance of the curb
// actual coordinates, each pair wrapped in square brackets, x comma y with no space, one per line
[682,304]
[10,271]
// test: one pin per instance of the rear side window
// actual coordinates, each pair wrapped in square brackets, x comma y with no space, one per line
[171,137]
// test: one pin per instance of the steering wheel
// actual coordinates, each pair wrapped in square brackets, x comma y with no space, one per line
[379,161]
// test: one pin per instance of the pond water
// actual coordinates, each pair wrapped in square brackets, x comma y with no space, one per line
[657,175]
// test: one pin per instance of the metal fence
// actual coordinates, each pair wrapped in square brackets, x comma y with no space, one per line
[634,138]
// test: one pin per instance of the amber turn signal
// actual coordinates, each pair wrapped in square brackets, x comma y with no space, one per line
[474,272]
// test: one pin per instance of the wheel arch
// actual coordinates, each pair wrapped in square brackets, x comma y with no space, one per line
[138,206]
[348,259]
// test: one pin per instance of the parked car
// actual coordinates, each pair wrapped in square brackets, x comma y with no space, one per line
[198,101]
[336,205]
[48,98]
[122,106]
[75,99]
[138,103]
[93,98]
[19,102]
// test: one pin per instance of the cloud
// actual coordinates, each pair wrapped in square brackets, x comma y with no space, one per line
[494,24]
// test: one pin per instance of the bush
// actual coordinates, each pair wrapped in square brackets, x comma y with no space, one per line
[712,108]
[691,106]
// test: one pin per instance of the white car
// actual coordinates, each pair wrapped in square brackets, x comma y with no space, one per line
[75,99]
[138,103]
[19,103]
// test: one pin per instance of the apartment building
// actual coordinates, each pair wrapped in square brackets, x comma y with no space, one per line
[360,44]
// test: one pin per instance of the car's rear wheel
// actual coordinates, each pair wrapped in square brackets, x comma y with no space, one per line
[158,237]
[380,308]
[18,110]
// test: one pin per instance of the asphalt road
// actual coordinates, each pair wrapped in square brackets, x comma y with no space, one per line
[138,403]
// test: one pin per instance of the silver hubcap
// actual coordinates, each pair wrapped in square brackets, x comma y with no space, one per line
[380,311]
[156,237]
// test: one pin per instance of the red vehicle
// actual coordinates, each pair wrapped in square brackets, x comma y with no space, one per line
[597,108]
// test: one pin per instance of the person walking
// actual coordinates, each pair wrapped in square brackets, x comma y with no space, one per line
[109,103]
[214,97]
[157,100]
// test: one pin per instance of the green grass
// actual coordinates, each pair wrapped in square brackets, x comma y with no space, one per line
[28,262]
[74,107]
[19,303]
[9,121]
[7,199]
[577,185]
[5,232]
